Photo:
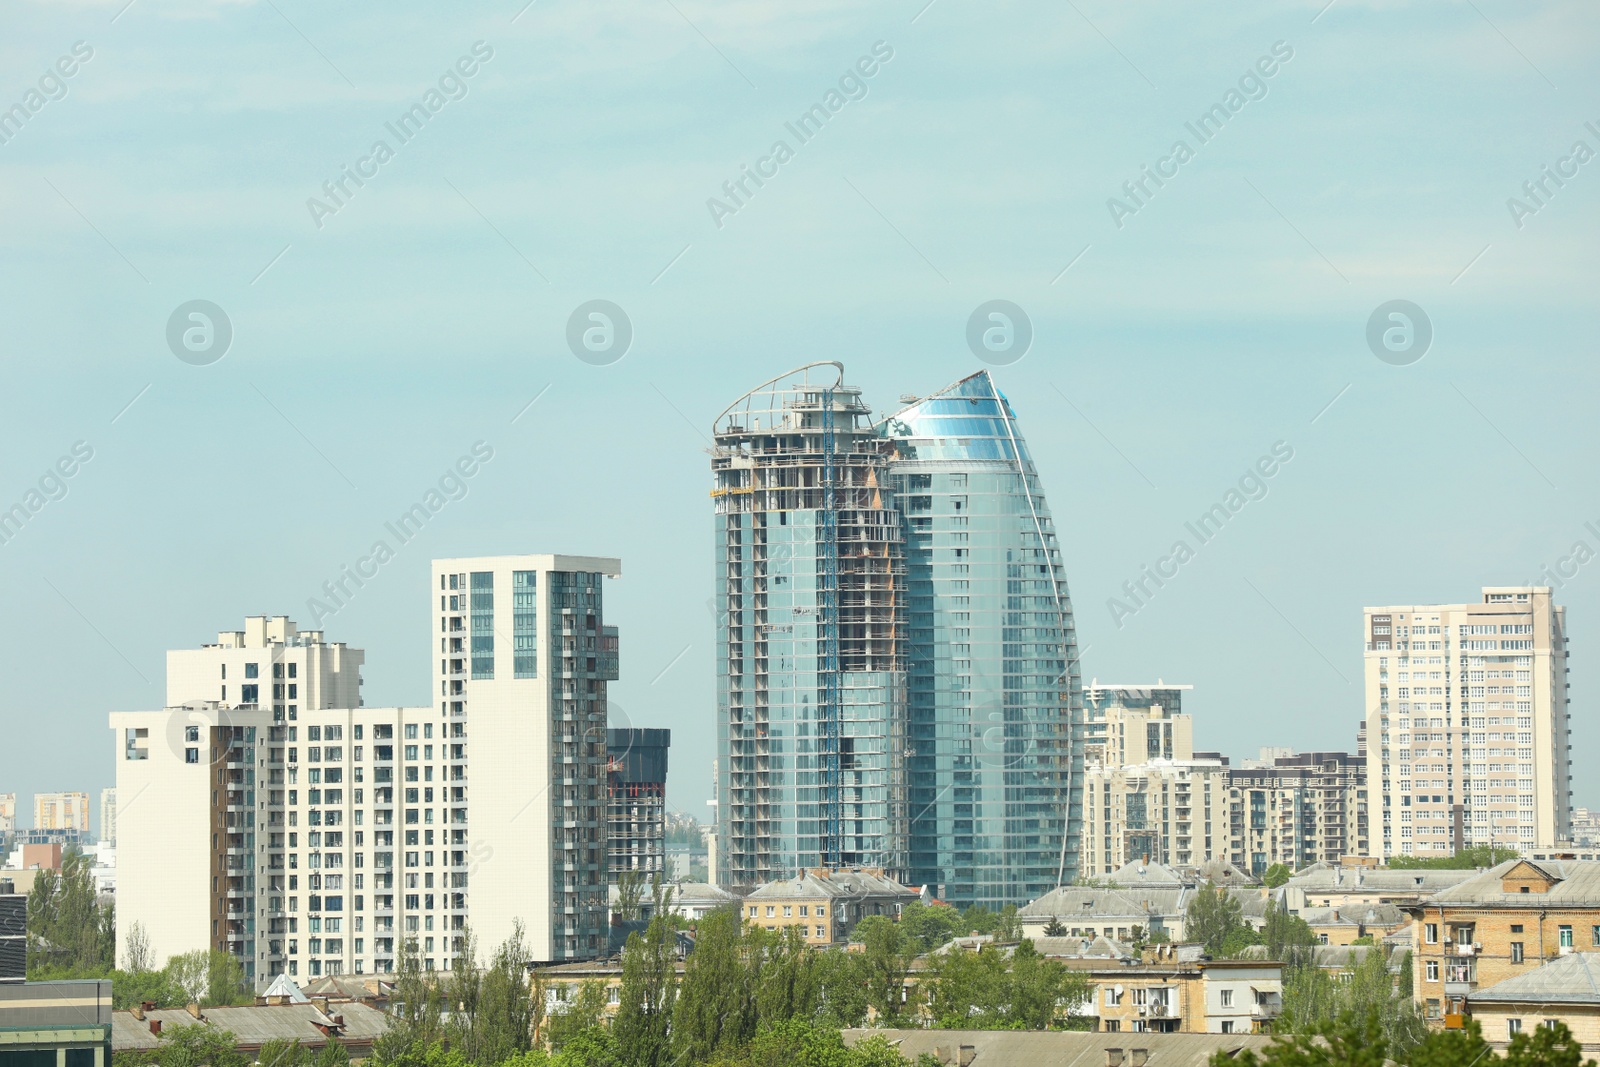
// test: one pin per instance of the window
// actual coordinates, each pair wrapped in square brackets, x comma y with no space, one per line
[191,755]
[1430,933]
[1516,952]
[1513,1027]
[1433,970]
[1564,936]
[1595,935]
[1227,998]
[822,931]
[252,670]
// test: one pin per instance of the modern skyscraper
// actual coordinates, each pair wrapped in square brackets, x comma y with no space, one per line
[811,658]
[995,691]
[61,811]
[1467,723]
[897,675]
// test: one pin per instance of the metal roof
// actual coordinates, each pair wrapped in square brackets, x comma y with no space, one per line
[1013,1048]
[254,1025]
[833,885]
[1573,979]
[1577,882]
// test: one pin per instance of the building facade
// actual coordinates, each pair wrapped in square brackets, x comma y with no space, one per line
[1500,924]
[61,811]
[995,701]
[313,841]
[1467,719]
[897,667]
[108,817]
[307,672]
[636,798]
[1302,809]
[826,904]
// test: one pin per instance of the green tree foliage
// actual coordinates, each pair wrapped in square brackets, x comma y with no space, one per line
[208,977]
[984,990]
[649,990]
[1276,875]
[930,925]
[1465,860]
[630,891]
[1212,915]
[1288,938]
[1314,1000]
[585,1010]
[886,957]
[491,1009]
[716,1009]
[200,1045]
[1356,1040]
[68,930]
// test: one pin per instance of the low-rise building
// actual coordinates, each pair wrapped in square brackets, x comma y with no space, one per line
[67,1024]
[1173,988]
[1566,989]
[1346,925]
[1332,885]
[826,903]
[314,1024]
[1021,1048]
[1501,924]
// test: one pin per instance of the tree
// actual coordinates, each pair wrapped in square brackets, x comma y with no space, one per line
[1314,1000]
[1352,1041]
[139,955]
[984,990]
[1276,875]
[584,1011]
[1054,928]
[1546,1046]
[67,927]
[649,989]
[929,925]
[886,958]
[1288,938]
[716,1004]
[492,1011]
[416,1007]
[630,891]
[200,1045]
[1464,860]
[1212,915]
[209,977]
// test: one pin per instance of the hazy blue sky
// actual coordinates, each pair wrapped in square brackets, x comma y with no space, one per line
[423,315]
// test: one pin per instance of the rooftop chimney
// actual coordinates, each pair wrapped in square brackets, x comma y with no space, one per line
[155,1027]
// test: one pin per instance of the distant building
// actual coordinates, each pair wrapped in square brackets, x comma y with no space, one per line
[108,817]
[13,932]
[313,1023]
[1325,885]
[1023,1047]
[826,904]
[1467,721]
[1300,810]
[61,811]
[305,671]
[636,797]
[8,812]
[1585,828]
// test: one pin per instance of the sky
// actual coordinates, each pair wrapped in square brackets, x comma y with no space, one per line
[569,152]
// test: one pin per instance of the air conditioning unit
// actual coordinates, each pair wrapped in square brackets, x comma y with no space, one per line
[1144,1010]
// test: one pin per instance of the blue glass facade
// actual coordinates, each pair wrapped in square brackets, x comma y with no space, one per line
[995,688]
[897,670]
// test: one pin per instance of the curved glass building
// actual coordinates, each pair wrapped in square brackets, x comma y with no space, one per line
[995,701]
[898,683]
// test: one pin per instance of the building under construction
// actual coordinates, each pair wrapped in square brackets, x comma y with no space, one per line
[897,675]
[636,802]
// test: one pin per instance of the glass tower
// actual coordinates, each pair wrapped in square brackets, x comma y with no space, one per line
[995,700]
[898,683]
[811,695]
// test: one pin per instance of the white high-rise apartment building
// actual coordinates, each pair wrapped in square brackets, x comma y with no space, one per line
[313,840]
[1467,723]
[61,811]
[524,656]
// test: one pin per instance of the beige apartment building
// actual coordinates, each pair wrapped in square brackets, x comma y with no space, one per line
[1467,723]
[1297,810]
[61,811]
[314,839]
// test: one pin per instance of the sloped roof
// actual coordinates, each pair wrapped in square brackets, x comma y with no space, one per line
[283,986]
[1053,1048]
[1323,878]
[1148,876]
[1086,902]
[835,884]
[1573,979]
[1379,915]
[1578,882]
[253,1026]
[1084,948]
